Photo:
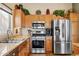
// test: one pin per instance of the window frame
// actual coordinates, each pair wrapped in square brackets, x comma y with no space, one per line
[9,17]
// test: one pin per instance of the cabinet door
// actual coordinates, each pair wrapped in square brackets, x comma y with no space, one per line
[21,49]
[48,19]
[75,30]
[75,50]
[48,45]
[23,20]
[13,53]
[74,39]
[28,21]
[28,48]
[17,17]
[74,27]
[73,16]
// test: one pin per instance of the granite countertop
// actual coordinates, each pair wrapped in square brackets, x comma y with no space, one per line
[5,48]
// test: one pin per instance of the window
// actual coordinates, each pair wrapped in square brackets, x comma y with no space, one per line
[5,22]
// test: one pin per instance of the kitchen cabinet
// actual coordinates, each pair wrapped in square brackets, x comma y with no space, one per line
[13,52]
[75,50]
[48,45]
[24,48]
[30,18]
[21,20]
[74,26]
[28,21]
[48,19]
[41,17]
[75,39]
[28,48]
[74,16]
[18,18]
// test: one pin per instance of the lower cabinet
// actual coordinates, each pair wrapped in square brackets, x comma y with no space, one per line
[13,53]
[28,49]
[48,45]
[75,50]
[24,48]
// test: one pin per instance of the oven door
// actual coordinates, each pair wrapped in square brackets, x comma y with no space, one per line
[38,44]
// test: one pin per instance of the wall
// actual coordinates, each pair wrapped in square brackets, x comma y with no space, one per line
[76,7]
[43,6]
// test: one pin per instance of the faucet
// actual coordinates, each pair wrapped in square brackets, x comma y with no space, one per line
[8,35]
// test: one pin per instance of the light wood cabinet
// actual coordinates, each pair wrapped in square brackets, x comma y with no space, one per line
[48,45]
[22,49]
[30,18]
[74,27]
[48,19]
[75,50]
[18,18]
[74,16]
[28,47]
[75,39]
[13,52]
[28,21]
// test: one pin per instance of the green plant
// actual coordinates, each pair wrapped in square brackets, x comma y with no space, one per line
[59,13]
[26,12]
[21,6]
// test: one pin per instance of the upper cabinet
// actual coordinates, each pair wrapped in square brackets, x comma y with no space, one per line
[22,20]
[18,18]
[28,21]
[73,16]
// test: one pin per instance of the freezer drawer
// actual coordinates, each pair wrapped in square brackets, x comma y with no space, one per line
[62,48]
[57,48]
[68,48]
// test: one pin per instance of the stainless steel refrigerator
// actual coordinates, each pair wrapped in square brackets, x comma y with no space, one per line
[62,36]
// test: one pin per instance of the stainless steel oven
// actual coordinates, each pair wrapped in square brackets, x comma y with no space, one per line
[38,44]
[38,36]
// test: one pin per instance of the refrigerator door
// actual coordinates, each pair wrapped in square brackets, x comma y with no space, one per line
[56,31]
[62,40]
[68,39]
